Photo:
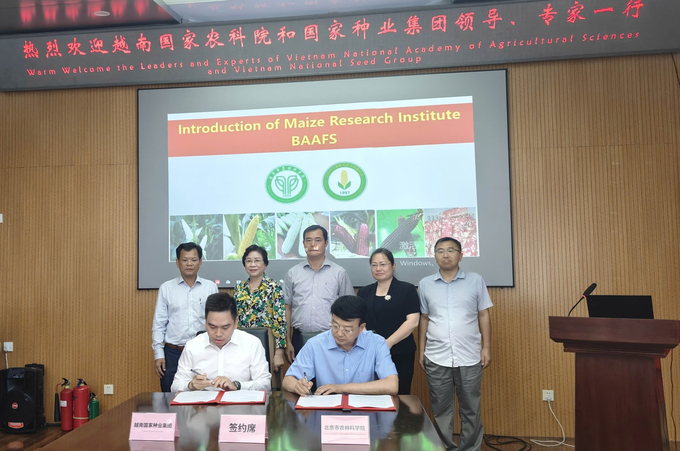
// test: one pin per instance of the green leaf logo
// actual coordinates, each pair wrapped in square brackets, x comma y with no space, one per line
[286,184]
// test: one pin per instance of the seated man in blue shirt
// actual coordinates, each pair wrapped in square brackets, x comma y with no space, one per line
[345,359]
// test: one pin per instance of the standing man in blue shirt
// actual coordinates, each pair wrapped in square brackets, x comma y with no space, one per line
[180,312]
[346,358]
[454,338]
[310,288]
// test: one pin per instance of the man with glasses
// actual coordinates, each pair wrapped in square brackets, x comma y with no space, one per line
[345,359]
[310,288]
[454,337]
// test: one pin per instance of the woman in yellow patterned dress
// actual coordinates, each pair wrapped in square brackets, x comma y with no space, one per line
[259,300]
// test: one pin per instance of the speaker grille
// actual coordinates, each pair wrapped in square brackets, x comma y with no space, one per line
[21,400]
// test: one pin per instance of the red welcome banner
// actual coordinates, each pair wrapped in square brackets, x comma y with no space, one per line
[456,36]
[382,127]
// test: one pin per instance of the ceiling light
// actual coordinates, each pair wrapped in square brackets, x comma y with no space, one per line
[101,13]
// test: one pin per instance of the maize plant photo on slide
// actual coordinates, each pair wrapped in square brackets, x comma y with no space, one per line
[289,230]
[241,231]
[401,231]
[205,230]
[352,233]
[459,223]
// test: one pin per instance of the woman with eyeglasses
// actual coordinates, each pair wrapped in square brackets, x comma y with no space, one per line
[393,312]
[259,300]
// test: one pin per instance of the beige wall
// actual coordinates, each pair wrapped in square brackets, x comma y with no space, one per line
[595,197]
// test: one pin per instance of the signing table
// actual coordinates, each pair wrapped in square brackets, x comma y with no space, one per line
[409,428]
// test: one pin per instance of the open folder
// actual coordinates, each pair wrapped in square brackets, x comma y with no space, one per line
[220,397]
[346,402]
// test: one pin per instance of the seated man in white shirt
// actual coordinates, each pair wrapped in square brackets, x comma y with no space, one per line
[224,357]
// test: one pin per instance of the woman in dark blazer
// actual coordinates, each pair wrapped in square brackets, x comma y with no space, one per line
[393,312]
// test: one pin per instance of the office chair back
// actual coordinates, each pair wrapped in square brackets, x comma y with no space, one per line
[304,336]
[263,334]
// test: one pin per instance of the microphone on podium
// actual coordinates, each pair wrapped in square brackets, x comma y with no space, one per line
[589,290]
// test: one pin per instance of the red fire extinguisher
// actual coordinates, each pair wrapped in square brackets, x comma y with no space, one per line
[66,405]
[81,399]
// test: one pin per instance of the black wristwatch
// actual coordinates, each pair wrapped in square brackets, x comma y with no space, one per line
[238,385]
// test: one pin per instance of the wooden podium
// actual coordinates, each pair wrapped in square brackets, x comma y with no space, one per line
[619,392]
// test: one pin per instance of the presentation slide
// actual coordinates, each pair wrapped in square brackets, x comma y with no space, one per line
[375,169]
[334,166]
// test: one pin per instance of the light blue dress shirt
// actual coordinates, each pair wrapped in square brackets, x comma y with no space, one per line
[368,360]
[453,335]
[180,312]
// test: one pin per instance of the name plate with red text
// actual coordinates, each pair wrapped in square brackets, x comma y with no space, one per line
[345,430]
[243,428]
[154,426]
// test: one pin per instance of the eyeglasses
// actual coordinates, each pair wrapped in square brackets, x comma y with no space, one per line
[256,261]
[451,250]
[382,265]
[345,329]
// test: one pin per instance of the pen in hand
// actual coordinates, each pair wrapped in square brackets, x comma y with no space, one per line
[304,374]
[200,382]
[198,374]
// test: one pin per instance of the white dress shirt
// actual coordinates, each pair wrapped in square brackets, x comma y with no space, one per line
[180,312]
[453,335]
[242,359]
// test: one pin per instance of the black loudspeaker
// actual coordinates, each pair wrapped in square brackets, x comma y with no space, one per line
[22,407]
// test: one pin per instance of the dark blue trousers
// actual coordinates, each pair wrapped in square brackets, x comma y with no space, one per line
[171,361]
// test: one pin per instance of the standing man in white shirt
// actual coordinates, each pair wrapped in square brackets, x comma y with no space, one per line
[224,358]
[310,288]
[454,338]
[180,312]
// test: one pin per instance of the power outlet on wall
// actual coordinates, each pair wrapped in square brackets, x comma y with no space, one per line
[548,395]
[108,389]
[8,346]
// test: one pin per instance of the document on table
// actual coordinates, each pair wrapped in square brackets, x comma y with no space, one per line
[319,402]
[242,396]
[196,397]
[372,401]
